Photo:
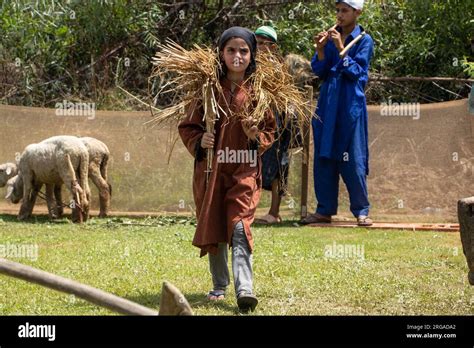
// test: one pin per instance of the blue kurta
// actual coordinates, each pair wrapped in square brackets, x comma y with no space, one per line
[340,133]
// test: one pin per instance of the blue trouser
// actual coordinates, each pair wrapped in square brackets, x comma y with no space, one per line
[326,186]
[352,168]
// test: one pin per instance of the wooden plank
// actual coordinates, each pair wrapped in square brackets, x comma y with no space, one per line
[439,227]
[173,302]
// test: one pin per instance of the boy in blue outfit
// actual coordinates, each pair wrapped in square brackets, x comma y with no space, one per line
[340,133]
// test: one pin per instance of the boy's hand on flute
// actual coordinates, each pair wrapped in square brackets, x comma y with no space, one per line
[320,40]
[250,129]
[337,39]
[207,141]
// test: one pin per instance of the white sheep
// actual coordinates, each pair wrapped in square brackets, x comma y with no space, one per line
[54,161]
[98,162]
[98,159]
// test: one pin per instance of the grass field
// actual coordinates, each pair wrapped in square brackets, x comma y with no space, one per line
[395,272]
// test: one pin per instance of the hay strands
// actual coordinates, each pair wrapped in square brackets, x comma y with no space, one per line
[274,88]
[185,73]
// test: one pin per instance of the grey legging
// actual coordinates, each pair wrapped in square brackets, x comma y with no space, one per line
[241,263]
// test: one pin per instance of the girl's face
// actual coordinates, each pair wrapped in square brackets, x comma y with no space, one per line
[236,55]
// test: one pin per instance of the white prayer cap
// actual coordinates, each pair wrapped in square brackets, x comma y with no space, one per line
[357,4]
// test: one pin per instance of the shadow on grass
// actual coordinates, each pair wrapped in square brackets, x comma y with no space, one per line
[199,300]
[283,224]
[40,219]
[32,220]
[146,299]
[196,300]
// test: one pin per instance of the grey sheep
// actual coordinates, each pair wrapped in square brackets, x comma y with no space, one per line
[300,68]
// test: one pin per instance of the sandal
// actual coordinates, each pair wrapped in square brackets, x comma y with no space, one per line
[216,295]
[246,302]
[316,218]
[268,220]
[364,221]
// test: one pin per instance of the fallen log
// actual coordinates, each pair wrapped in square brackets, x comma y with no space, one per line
[172,300]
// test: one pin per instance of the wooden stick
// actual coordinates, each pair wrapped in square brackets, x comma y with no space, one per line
[85,292]
[305,162]
[352,43]
[210,114]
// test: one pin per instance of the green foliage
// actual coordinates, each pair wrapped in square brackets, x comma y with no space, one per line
[421,38]
[468,67]
[51,44]
[36,38]
[411,38]
[53,41]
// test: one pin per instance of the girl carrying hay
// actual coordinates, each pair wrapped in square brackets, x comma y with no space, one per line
[223,109]
[226,198]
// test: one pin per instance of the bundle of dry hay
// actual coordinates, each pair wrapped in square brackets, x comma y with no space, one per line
[274,88]
[194,71]
[191,70]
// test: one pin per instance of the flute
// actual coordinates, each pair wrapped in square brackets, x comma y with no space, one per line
[332,28]
[322,39]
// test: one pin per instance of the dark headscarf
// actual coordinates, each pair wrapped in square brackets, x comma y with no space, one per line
[244,34]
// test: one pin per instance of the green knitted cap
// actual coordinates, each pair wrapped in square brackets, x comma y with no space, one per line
[268,32]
